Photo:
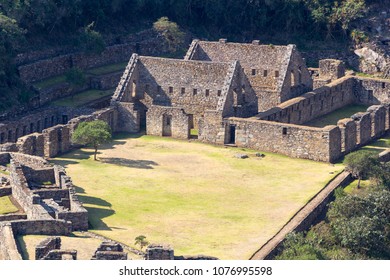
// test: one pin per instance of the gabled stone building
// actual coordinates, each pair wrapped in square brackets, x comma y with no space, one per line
[276,73]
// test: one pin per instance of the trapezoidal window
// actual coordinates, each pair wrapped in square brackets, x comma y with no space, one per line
[265,73]
[207,92]
[253,72]
[195,91]
[183,90]
[170,90]
[284,131]
[219,93]
[276,74]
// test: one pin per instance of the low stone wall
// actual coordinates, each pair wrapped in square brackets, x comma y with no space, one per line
[385,156]
[12,217]
[45,246]
[291,140]
[8,248]
[41,227]
[314,104]
[58,65]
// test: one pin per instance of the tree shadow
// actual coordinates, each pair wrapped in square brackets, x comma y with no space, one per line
[96,216]
[141,164]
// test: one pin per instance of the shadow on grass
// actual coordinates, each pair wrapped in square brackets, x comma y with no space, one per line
[142,164]
[96,216]
[94,201]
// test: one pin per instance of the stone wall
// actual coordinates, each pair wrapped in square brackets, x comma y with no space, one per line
[110,251]
[45,246]
[12,217]
[41,227]
[276,73]
[58,65]
[314,104]
[8,247]
[159,252]
[167,121]
[57,139]
[5,191]
[372,91]
[291,140]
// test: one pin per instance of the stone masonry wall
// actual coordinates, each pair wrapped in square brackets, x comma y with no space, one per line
[58,65]
[314,104]
[45,246]
[372,91]
[291,140]
[158,118]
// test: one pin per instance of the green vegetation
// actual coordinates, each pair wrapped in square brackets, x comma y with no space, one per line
[6,206]
[358,221]
[171,32]
[88,24]
[191,195]
[47,83]
[334,117]
[83,98]
[93,134]
[141,241]
[111,68]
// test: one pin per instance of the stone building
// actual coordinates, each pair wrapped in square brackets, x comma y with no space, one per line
[250,95]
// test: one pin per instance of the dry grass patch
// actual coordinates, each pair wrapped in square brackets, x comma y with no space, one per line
[199,198]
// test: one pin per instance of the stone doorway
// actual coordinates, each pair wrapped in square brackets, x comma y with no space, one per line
[167,125]
[232,136]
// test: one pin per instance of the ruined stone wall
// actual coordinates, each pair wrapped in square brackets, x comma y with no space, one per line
[167,121]
[45,246]
[58,65]
[291,140]
[372,91]
[41,227]
[8,247]
[314,104]
[12,217]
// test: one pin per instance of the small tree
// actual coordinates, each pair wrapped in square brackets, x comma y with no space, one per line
[361,164]
[93,134]
[141,241]
[171,32]
[91,40]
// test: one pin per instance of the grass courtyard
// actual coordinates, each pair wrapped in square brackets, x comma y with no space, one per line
[334,117]
[197,197]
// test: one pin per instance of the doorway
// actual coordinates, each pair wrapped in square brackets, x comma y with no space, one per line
[167,125]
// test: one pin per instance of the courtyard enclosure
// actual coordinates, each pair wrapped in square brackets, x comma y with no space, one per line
[199,198]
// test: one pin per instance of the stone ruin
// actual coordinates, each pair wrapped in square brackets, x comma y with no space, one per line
[50,249]
[45,197]
[165,252]
[250,95]
[254,96]
[110,251]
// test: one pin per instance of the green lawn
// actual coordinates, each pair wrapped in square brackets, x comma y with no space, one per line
[107,69]
[334,117]
[83,98]
[197,197]
[6,206]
